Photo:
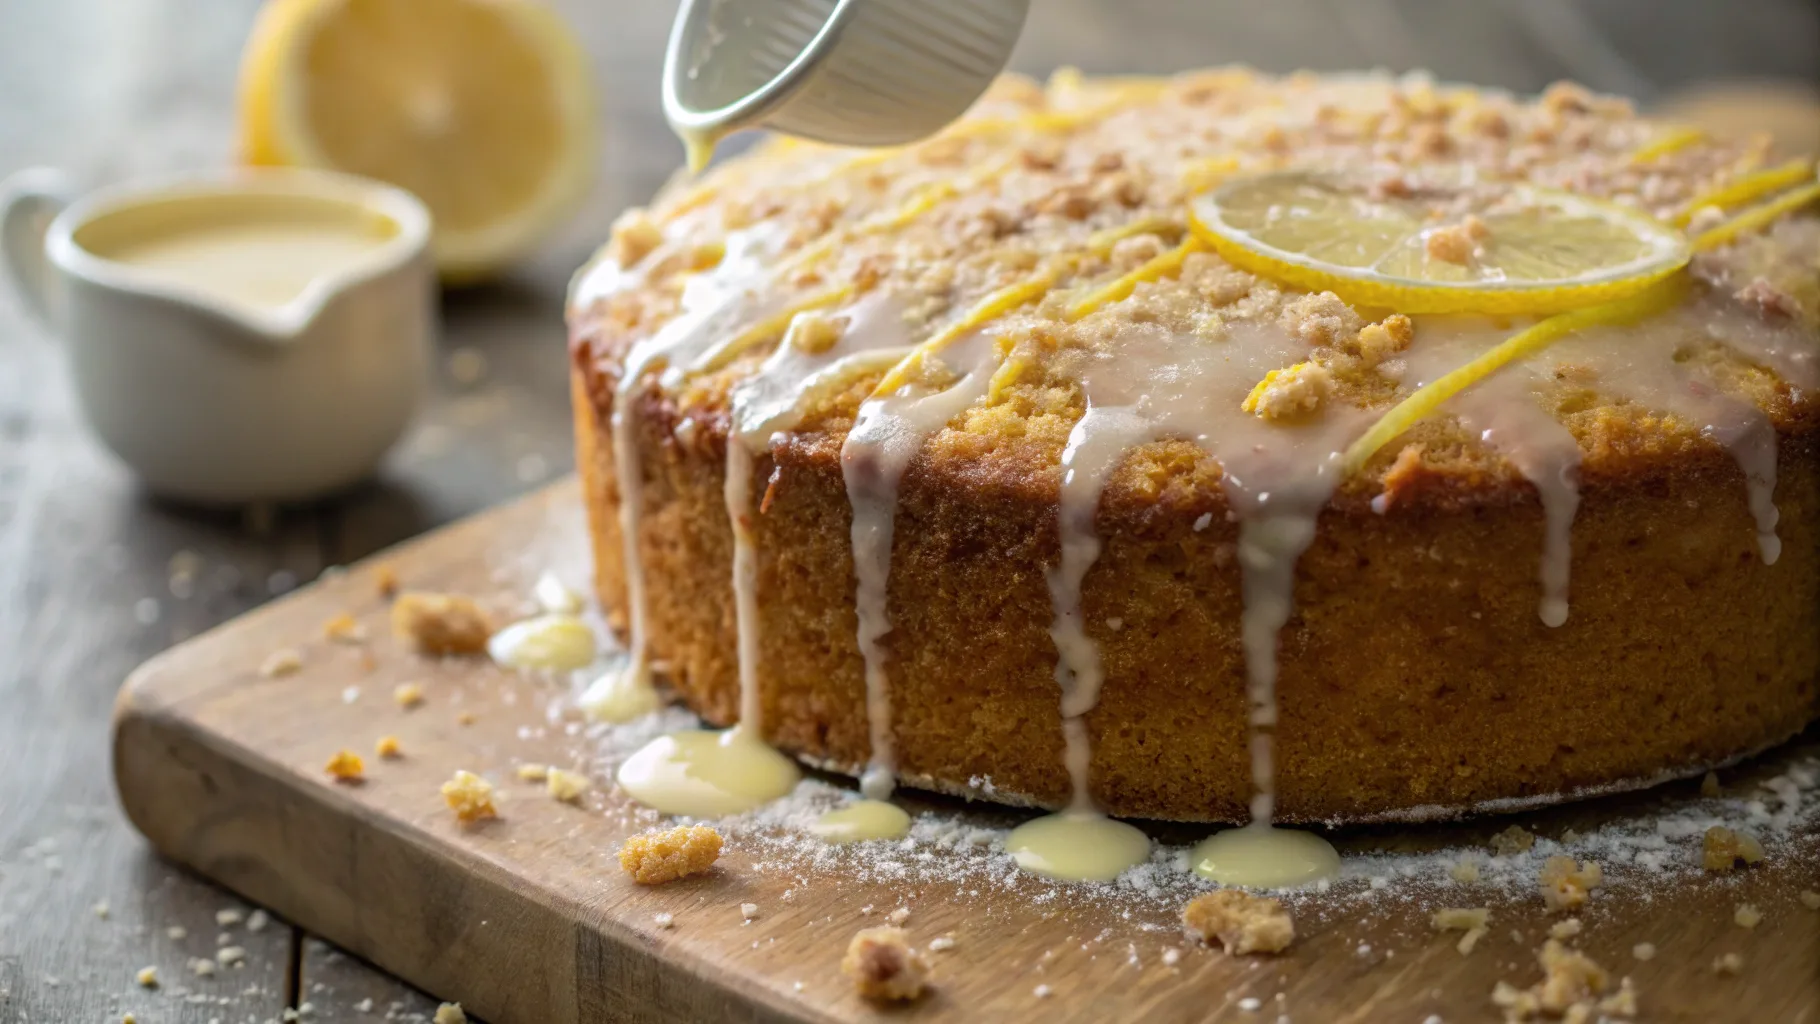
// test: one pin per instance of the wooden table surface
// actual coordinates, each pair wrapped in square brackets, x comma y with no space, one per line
[95,576]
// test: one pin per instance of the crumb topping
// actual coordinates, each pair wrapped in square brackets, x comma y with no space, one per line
[1240,922]
[654,858]
[1565,886]
[1084,185]
[441,623]
[470,797]
[1722,849]
[884,966]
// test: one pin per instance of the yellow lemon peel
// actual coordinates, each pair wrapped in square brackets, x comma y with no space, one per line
[1757,217]
[1157,267]
[994,305]
[1746,188]
[1673,140]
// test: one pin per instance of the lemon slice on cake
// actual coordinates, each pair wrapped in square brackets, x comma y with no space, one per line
[481,107]
[1494,249]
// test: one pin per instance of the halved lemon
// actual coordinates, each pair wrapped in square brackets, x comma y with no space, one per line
[1450,247]
[483,108]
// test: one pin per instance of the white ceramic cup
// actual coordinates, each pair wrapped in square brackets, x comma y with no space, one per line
[220,402]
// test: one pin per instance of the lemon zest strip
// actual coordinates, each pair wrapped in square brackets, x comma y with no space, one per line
[1757,217]
[1673,140]
[993,306]
[1746,188]
[765,330]
[1119,289]
[1427,398]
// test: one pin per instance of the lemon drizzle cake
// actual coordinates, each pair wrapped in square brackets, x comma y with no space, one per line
[1053,338]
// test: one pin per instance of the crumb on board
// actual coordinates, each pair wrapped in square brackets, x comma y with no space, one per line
[1709,785]
[1810,899]
[1565,929]
[898,916]
[1747,916]
[470,797]
[1721,849]
[748,911]
[1241,922]
[1565,886]
[1571,987]
[344,629]
[128,1018]
[466,718]
[884,966]
[449,1013]
[385,579]
[1644,951]
[941,944]
[1471,921]
[664,919]
[408,695]
[346,766]
[257,920]
[1728,964]
[202,967]
[1464,870]
[387,747]
[282,662]
[1513,840]
[654,858]
[533,772]
[441,623]
[567,786]
[147,977]
[228,917]
[228,956]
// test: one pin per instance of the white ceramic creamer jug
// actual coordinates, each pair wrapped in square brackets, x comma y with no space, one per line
[236,336]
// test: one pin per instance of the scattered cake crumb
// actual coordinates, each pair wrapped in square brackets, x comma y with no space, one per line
[147,977]
[408,695]
[128,1018]
[228,917]
[1171,956]
[1730,963]
[1570,986]
[1042,991]
[1644,951]
[387,747]
[1810,899]
[1722,849]
[1622,1003]
[441,623]
[344,629]
[898,916]
[470,797]
[1470,941]
[1747,916]
[257,920]
[1242,923]
[654,858]
[466,718]
[280,663]
[567,786]
[228,956]
[1290,393]
[884,966]
[941,944]
[1565,929]
[1464,870]
[346,766]
[748,911]
[202,967]
[449,1013]
[101,909]
[1709,785]
[664,919]
[176,933]
[533,772]
[1565,886]
[1513,840]
[1471,921]
[385,579]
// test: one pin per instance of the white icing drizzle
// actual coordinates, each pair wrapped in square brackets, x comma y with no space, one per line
[1639,363]
[887,433]
[772,399]
[1151,384]
[713,303]
[1504,411]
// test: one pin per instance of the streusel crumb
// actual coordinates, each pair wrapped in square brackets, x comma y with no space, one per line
[449,1013]
[1241,922]
[1810,899]
[1570,988]
[1747,916]
[1511,841]
[1291,392]
[346,766]
[1565,886]
[567,786]
[441,623]
[344,629]
[1729,964]
[1722,849]
[1471,921]
[408,695]
[385,579]
[533,772]
[388,748]
[884,966]
[658,857]
[280,663]
[470,797]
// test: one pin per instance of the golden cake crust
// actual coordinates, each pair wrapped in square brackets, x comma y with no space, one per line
[1416,678]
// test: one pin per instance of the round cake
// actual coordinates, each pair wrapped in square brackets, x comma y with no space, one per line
[1019,464]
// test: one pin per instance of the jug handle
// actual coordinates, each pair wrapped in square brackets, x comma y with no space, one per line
[29,201]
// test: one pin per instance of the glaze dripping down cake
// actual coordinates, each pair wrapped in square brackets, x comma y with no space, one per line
[1049,461]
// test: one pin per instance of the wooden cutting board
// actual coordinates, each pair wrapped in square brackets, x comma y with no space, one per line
[529,920]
